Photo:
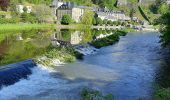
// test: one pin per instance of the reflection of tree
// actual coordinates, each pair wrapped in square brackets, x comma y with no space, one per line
[164,72]
[66,34]
[87,36]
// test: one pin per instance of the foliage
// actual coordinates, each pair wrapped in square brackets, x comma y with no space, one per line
[4,4]
[109,22]
[87,18]
[9,21]
[164,21]
[43,13]
[37,2]
[66,20]
[99,21]
[89,94]
[105,21]
[163,8]
[94,21]
[162,94]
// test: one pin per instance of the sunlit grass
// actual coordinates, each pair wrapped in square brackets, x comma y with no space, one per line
[16,27]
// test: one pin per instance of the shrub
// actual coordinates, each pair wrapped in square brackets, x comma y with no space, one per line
[99,21]
[11,20]
[105,21]
[94,21]
[109,22]
[66,20]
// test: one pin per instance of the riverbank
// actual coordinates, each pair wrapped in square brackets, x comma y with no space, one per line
[19,27]
[108,40]
[162,88]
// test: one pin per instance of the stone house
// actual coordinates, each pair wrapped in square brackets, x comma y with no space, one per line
[76,12]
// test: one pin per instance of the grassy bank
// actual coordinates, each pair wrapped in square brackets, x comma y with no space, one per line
[18,27]
[109,40]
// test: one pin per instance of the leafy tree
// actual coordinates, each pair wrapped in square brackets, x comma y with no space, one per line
[4,4]
[99,21]
[43,13]
[163,8]
[66,20]
[164,21]
[109,22]
[105,21]
[87,18]
[94,21]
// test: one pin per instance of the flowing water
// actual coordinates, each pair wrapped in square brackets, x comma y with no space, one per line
[127,70]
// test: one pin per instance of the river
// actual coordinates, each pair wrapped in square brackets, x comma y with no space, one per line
[126,69]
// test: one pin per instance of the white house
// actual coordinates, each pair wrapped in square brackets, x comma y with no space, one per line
[168,1]
[112,15]
[20,8]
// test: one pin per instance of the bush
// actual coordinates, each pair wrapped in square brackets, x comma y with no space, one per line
[99,21]
[26,17]
[109,22]
[94,21]
[9,21]
[89,94]
[105,21]
[66,20]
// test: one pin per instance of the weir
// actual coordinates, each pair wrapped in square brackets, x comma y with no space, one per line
[12,73]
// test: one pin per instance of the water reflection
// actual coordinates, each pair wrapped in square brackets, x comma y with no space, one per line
[18,46]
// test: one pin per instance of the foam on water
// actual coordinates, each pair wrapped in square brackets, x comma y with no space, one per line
[31,86]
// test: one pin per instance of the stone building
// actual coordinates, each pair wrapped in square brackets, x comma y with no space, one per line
[76,12]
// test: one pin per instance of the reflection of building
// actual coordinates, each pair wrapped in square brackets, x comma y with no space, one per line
[62,8]
[69,38]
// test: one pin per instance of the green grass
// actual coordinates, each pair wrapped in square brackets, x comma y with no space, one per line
[17,27]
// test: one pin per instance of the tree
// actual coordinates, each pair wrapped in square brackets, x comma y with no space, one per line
[4,4]
[66,20]
[87,18]
[43,13]
[164,21]
[109,22]
[94,21]
[163,8]
[99,21]
[105,21]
